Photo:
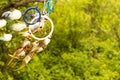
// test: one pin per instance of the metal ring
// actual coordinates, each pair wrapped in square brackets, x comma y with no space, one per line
[24,15]
[52,29]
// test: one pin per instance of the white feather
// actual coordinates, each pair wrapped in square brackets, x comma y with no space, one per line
[25,43]
[35,26]
[22,53]
[16,14]
[12,15]
[47,41]
[25,34]
[18,26]
[40,49]
[6,37]
[3,23]
[6,14]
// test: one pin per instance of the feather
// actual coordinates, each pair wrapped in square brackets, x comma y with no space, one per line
[3,23]
[6,37]
[18,26]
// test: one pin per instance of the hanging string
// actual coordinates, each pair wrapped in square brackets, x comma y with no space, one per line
[44,7]
[36,4]
[44,2]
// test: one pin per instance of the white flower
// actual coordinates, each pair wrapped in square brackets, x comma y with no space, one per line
[12,15]
[18,26]
[3,23]
[6,37]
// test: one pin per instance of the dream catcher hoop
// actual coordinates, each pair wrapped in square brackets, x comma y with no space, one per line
[46,28]
[30,13]
[40,29]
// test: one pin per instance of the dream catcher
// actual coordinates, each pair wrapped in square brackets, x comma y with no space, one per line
[40,29]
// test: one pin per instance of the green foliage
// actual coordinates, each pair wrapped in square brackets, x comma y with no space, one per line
[85,44]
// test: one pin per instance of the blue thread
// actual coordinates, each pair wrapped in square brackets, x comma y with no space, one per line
[50,6]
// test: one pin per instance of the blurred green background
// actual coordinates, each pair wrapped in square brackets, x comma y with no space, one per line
[85,43]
